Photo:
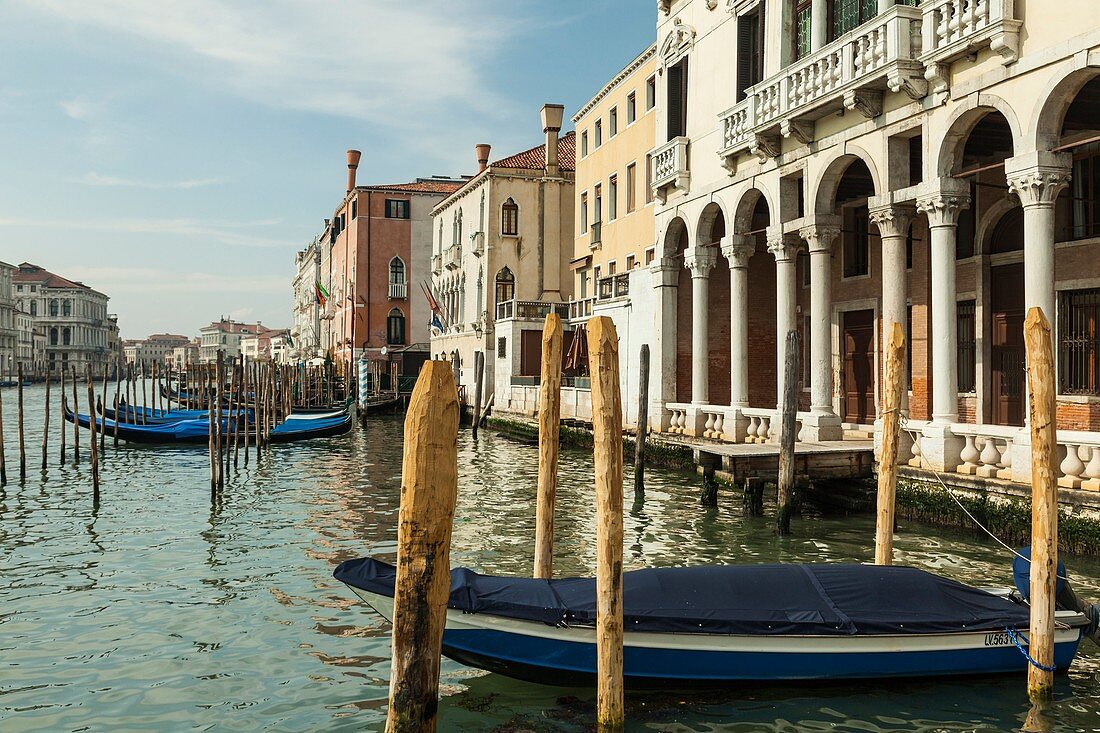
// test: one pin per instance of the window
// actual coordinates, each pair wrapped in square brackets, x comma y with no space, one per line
[1079,342]
[597,209]
[966,335]
[502,347]
[802,29]
[631,108]
[850,14]
[67,336]
[354,209]
[509,218]
[612,198]
[53,337]
[650,255]
[53,306]
[857,245]
[584,212]
[67,307]
[34,307]
[613,122]
[611,267]
[398,281]
[1085,193]
[584,143]
[650,93]
[505,286]
[648,178]
[396,209]
[750,50]
[677,75]
[395,327]
[598,133]
[631,187]
[631,262]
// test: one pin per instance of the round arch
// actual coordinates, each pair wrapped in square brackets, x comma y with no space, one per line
[712,213]
[1049,116]
[989,221]
[676,230]
[961,124]
[824,191]
[746,206]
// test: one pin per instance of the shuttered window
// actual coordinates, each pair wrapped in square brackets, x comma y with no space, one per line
[966,336]
[677,99]
[750,50]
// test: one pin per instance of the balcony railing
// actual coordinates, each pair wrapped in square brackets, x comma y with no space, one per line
[580,308]
[670,167]
[614,286]
[452,258]
[953,28]
[399,291]
[850,73]
[437,264]
[477,243]
[531,310]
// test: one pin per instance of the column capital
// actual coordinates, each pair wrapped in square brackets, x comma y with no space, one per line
[821,232]
[700,260]
[784,247]
[942,200]
[893,220]
[738,248]
[1037,177]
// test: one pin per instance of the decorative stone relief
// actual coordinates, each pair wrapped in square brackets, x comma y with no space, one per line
[1039,186]
[820,237]
[784,247]
[700,260]
[765,146]
[868,102]
[738,249]
[942,208]
[802,131]
[677,43]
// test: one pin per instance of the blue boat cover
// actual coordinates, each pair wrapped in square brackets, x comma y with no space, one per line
[191,430]
[780,599]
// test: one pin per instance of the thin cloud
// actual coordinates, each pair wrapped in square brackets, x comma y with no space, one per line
[77,109]
[227,233]
[142,280]
[95,179]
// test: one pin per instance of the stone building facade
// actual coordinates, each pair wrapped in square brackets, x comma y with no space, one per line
[8,333]
[503,243]
[158,347]
[835,167]
[305,332]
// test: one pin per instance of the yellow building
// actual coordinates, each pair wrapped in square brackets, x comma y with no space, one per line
[616,130]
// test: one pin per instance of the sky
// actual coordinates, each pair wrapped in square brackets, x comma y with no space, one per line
[174,155]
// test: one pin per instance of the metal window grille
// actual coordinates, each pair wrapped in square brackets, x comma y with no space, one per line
[502,347]
[966,336]
[1079,342]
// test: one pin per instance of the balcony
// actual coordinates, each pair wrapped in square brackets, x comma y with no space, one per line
[452,258]
[477,244]
[851,73]
[437,264]
[614,286]
[399,291]
[580,309]
[670,167]
[595,235]
[531,310]
[952,29]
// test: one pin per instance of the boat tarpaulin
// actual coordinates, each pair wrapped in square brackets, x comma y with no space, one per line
[775,599]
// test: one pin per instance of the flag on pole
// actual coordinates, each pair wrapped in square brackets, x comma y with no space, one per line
[322,294]
[436,323]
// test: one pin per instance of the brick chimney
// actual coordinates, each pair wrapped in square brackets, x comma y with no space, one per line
[353,163]
[551,126]
[482,156]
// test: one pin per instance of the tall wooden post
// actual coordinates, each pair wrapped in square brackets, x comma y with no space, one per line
[92,431]
[607,429]
[788,414]
[210,449]
[549,424]
[118,384]
[61,421]
[1044,502]
[22,441]
[76,422]
[479,377]
[429,490]
[643,423]
[888,458]
[103,425]
[45,425]
[3,457]
[219,432]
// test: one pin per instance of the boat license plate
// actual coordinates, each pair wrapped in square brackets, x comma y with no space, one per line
[999,639]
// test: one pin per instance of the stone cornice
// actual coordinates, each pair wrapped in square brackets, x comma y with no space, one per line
[618,79]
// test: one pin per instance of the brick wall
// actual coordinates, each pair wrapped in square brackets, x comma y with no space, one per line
[718,324]
[762,343]
[683,337]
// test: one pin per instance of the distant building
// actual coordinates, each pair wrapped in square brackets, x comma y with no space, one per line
[267,345]
[306,330]
[186,354]
[378,244]
[71,317]
[157,348]
[8,333]
[224,335]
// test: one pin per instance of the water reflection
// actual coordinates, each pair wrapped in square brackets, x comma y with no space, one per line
[161,609]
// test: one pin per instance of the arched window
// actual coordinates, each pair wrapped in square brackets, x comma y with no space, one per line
[53,337]
[506,286]
[66,336]
[67,307]
[34,307]
[53,306]
[458,237]
[509,218]
[395,327]
[398,283]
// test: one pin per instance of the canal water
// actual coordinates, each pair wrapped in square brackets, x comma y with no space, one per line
[158,610]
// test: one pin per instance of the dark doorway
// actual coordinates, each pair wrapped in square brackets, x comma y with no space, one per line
[1007,331]
[857,342]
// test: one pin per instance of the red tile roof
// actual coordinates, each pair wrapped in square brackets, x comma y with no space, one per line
[421,186]
[28,273]
[535,158]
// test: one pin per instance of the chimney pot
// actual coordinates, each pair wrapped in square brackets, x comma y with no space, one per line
[482,156]
[551,124]
[353,163]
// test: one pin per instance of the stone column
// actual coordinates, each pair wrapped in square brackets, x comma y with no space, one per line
[738,249]
[819,24]
[785,249]
[893,228]
[662,380]
[699,262]
[823,423]
[942,203]
[1037,178]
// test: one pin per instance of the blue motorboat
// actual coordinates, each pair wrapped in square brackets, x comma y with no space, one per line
[724,624]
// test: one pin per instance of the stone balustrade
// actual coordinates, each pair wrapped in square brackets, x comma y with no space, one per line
[669,167]
[951,29]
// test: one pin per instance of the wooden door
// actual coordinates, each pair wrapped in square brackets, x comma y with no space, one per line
[1007,332]
[858,345]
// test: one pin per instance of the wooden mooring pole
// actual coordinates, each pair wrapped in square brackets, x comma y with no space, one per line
[3,457]
[607,429]
[1044,503]
[888,457]
[22,441]
[429,490]
[76,422]
[103,425]
[45,425]
[643,423]
[549,425]
[479,377]
[92,431]
[61,419]
[788,414]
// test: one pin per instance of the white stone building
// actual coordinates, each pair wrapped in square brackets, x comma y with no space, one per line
[224,335]
[305,332]
[835,166]
[159,347]
[8,333]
